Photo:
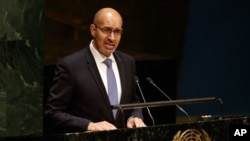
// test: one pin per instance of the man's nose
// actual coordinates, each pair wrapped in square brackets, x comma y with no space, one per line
[111,36]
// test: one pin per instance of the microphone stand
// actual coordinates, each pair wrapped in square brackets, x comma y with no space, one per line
[180,108]
[123,107]
[149,113]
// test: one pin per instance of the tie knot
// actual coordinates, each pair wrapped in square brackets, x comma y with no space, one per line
[108,62]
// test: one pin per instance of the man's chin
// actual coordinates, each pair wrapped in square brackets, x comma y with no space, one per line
[107,53]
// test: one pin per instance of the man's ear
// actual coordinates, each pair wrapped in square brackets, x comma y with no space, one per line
[92,29]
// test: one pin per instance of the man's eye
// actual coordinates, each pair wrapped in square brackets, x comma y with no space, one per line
[107,30]
[117,31]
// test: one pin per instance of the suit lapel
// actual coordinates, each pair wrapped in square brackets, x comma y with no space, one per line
[92,67]
[97,78]
[121,68]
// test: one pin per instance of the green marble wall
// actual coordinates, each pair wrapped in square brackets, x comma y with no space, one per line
[21,67]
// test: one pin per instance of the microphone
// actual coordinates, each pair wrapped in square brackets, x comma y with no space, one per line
[138,85]
[180,108]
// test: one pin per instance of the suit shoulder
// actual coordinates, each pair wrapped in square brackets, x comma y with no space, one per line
[75,56]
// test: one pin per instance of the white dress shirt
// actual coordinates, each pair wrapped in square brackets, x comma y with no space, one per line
[99,58]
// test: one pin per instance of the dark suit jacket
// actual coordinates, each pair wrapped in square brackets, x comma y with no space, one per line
[78,94]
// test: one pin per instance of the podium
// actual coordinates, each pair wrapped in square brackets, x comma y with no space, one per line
[210,129]
[214,130]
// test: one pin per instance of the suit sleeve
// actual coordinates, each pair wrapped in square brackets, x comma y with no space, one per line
[57,113]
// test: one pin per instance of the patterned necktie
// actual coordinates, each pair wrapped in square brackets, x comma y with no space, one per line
[112,85]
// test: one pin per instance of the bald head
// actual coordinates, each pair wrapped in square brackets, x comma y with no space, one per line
[105,14]
[106,31]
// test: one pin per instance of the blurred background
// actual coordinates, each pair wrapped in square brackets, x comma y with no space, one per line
[152,31]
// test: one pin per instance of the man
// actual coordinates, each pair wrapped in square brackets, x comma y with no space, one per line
[79,98]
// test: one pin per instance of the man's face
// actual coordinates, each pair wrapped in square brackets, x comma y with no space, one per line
[107,34]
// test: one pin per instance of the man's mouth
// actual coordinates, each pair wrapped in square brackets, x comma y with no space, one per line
[109,46]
